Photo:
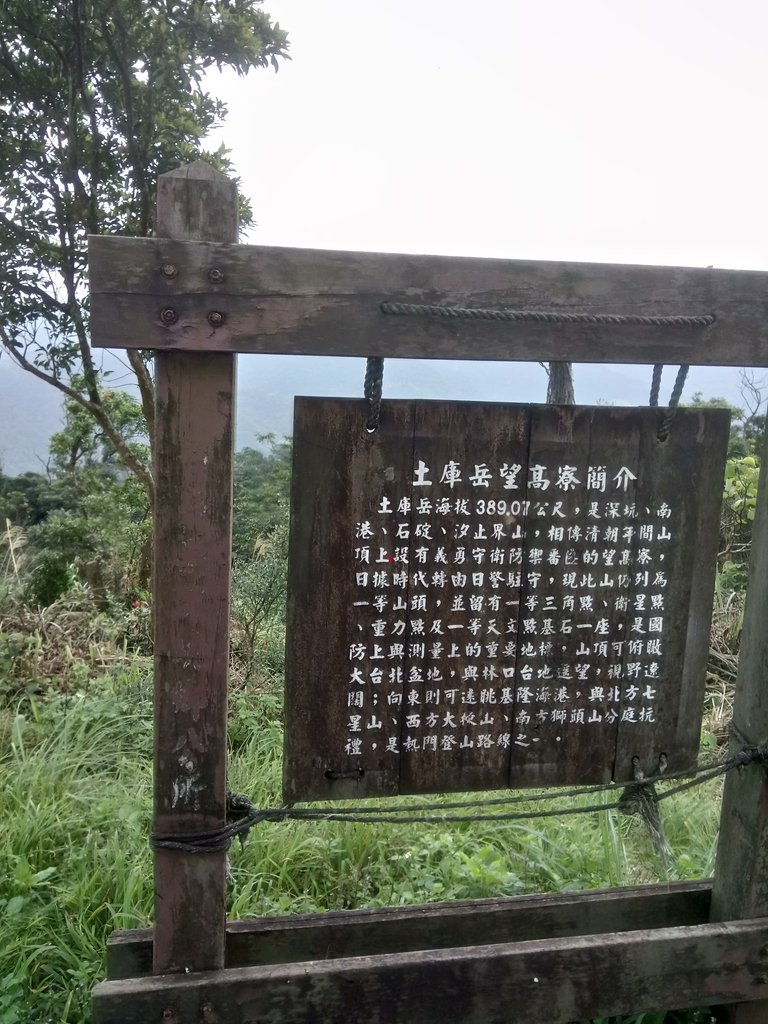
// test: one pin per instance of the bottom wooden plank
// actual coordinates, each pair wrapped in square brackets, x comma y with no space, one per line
[277,940]
[532,982]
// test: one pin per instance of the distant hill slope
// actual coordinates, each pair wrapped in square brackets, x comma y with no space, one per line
[30,410]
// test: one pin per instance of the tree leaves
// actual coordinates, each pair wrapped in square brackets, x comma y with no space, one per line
[99,97]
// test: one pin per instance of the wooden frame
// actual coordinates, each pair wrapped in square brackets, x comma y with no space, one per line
[315,302]
[549,958]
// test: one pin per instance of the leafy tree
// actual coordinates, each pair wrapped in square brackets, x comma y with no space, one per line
[27,499]
[88,519]
[742,473]
[739,443]
[262,481]
[99,97]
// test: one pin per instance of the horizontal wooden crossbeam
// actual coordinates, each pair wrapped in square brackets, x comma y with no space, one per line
[533,981]
[278,940]
[154,293]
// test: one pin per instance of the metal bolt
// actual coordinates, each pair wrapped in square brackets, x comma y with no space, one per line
[168,315]
[168,270]
[216,319]
[215,275]
[169,1015]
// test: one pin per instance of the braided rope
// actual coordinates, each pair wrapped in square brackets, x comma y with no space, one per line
[242,815]
[653,401]
[374,378]
[666,418]
[544,316]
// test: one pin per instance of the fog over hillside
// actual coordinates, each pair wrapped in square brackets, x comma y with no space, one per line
[30,410]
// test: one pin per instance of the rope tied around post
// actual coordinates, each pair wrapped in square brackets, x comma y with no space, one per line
[639,792]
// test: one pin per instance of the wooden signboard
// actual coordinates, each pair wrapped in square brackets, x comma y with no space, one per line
[484,596]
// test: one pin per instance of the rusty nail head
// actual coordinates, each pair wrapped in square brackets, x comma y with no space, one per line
[168,270]
[215,275]
[216,319]
[168,315]
[168,1015]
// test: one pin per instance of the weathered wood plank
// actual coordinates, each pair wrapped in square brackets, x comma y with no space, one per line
[544,980]
[324,508]
[476,439]
[316,302]
[192,551]
[278,940]
[548,681]
[505,595]
[741,873]
[685,472]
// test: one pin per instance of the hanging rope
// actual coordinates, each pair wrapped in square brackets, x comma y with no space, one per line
[242,815]
[544,316]
[653,401]
[374,378]
[666,417]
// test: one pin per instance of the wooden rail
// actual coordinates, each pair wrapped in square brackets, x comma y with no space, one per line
[168,294]
[532,982]
[280,940]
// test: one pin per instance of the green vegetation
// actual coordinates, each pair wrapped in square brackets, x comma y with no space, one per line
[100,97]
[75,739]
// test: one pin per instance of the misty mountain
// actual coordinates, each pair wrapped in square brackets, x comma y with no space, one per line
[30,410]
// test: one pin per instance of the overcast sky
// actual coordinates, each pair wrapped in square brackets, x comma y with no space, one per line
[596,130]
[547,129]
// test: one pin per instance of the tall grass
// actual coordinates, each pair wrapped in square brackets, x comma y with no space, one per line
[74,799]
[75,791]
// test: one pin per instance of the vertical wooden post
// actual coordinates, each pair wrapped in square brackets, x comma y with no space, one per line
[740,887]
[192,555]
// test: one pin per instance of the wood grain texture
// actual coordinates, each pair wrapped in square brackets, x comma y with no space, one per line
[741,871]
[283,940]
[318,302]
[741,877]
[555,980]
[685,470]
[192,553]
[423,655]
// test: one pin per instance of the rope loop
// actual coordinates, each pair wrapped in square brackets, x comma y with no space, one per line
[667,415]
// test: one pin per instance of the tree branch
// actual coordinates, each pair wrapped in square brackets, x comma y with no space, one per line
[146,392]
[99,413]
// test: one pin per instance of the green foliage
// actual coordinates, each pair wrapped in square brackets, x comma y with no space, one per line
[89,521]
[100,97]
[741,478]
[75,737]
[27,499]
[262,485]
[260,567]
[75,797]
[739,506]
[74,863]
[258,605]
[747,427]
[82,444]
